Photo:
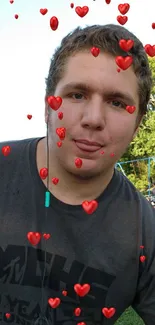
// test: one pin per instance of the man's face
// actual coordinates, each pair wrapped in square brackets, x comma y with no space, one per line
[95,114]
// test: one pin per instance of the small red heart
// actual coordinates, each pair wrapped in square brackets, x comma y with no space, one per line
[150,50]
[43,173]
[61,132]
[95,51]
[124,62]
[60,115]
[54,302]
[90,206]
[102,152]
[82,323]
[64,292]
[16,16]
[6,150]
[141,246]
[123,8]
[78,162]
[153,25]
[11,1]
[54,102]
[122,19]
[77,312]
[55,180]
[142,258]
[107,1]
[81,11]
[130,109]
[108,312]
[126,45]
[112,155]
[34,237]
[7,315]
[59,144]
[82,290]
[43,11]
[72,5]
[118,70]
[29,116]
[46,236]
[54,23]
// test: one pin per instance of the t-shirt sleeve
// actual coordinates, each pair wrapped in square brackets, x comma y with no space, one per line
[144,301]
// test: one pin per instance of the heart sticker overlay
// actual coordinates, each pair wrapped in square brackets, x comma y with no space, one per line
[142,258]
[6,150]
[54,102]
[64,293]
[95,51]
[43,11]
[90,206]
[81,11]
[43,173]
[108,312]
[126,45]
[55,180]
[150,50]
[77,311]
[7,315]
[54,302]
[123,8]
[130,109]
[82,290]
[34,237]
[61,132]
[54,23]
[124,62]
[78,162]
[46,236]
[122,19]
[29,116]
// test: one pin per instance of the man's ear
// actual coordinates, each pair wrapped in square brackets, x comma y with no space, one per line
[46,110]
[139,121]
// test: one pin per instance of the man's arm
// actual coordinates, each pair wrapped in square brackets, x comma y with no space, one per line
[144,302]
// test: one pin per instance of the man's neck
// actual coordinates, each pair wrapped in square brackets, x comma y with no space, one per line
[71,189]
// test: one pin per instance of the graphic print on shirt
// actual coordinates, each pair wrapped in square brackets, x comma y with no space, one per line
[21,271]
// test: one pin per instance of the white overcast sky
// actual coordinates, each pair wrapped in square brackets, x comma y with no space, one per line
[27,44]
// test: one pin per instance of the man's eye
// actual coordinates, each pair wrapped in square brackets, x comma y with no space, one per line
[117,103]
[76,95]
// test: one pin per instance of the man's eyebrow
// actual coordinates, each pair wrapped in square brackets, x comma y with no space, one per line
[107,94]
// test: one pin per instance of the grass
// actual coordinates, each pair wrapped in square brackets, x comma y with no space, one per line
[129,317]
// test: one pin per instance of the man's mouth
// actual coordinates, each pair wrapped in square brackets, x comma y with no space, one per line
[87,146]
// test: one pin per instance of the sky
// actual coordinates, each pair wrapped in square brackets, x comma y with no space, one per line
[28,43]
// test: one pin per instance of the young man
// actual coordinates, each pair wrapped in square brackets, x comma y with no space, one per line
[91,253]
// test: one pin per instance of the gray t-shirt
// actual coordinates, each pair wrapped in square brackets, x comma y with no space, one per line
[102,249]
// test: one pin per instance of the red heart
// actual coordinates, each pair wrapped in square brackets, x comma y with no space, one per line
[16,16]
[122,19]
[108,312]
[29,116]
[82,323]
[95,51]
[43,11]
[54,302]
[90,206]
[6,150]
[55,180]
[59,144]
[126,45]
[153,25]
[150,50]
[34,237]
[81,11]
[43,173]
[123,8]
[77,311]
[107,1]
[124,62]
[72,5]
[141,246]
[61,132]
[130,109]
[82,290]
[142,258]
[60,115]
[46,236]
[78,162]
[11,1]
[54,102]
[54,23]
[64,292]
[7,315]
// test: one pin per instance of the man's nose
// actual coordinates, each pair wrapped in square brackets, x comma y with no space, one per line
[93,115]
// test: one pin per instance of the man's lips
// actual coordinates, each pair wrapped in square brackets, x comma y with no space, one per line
[87,145]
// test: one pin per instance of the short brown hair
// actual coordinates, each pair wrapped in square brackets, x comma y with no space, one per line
[106,38]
